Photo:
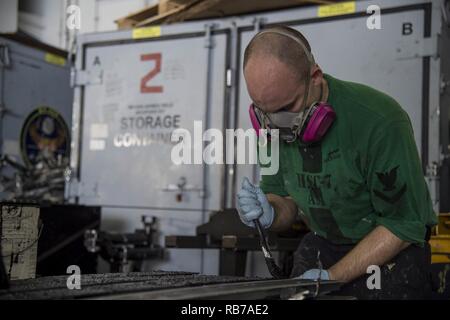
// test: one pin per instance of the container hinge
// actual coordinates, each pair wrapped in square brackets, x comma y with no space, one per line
[432,170]
[433,179]
[418,48]
[258,23]
[230,77]
[209,42]
[5,61]
[86,77]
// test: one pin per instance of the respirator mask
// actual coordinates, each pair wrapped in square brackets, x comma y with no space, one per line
[311,123]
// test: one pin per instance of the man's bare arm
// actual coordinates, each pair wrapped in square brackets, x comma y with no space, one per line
[285,212]
[377,248]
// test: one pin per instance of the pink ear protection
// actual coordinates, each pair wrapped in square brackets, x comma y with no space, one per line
[319,119]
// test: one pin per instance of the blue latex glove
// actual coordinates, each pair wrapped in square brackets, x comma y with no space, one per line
[313,274]
[253,204]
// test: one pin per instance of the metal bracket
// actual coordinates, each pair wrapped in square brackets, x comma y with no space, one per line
[257,22]
[5,61]
[418,48]
[433,180]
[209,42]
[182,186]
[432,170]
[86,77]
[230,77]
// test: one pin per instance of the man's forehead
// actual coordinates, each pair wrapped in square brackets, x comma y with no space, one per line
[270,88]
[274,96]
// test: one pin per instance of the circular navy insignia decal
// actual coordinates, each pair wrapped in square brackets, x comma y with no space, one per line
[44,136]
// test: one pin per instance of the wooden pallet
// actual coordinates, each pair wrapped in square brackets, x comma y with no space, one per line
[170,11]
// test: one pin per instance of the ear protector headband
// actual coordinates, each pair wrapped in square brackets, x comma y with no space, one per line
[312,122]
[308,54]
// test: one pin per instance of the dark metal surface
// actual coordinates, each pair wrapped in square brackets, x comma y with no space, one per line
[222,223]
[62,241]
[164,285]
[232,262]
[95,285]
[188,242]
[251,290]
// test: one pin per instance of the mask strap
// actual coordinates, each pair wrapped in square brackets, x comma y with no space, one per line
[300,118]
[263,117]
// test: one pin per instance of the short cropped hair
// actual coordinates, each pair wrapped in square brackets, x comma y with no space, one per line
[282,48]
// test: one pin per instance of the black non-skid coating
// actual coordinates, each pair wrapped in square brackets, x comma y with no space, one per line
[95,285]
[164,285]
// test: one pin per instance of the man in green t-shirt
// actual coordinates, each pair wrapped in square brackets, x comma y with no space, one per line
[360,188]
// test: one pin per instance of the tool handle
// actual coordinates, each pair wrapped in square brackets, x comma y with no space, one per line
[274,270]
[262,236]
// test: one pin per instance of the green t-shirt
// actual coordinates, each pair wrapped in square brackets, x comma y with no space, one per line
[364,173]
